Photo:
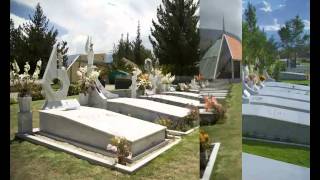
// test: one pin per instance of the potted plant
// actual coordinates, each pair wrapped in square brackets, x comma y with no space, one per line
[24,83]
[86,82]
[143,83]
[121,147]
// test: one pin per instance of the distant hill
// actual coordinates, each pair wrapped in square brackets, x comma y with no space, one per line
[209,36]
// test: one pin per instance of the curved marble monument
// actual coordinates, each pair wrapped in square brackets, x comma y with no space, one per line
[53,98]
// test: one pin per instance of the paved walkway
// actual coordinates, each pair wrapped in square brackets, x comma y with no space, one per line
[261,168]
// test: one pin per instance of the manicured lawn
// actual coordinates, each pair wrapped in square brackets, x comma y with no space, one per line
[229,133]
[30,161]
[290,154]
[300,82]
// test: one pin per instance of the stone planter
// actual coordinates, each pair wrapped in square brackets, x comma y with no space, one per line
[25,115]
[83,99]
[140,92]
[25,103]
[165,87]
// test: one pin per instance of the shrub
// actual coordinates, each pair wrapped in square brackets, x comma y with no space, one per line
[36,92]
[193,118]
[164,122]
[74,89]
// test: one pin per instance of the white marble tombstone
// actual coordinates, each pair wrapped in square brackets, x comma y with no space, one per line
[55,99]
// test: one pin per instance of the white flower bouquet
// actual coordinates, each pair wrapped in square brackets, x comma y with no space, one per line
[144,82]
[87,80]
[24,82]
[167,79]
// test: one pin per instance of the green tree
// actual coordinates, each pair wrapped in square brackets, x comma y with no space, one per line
[17,46]
[175,38]
[137,48]
[250,17]
[63,49]
[251,36]
[38,39]
[293,38]
[258,50]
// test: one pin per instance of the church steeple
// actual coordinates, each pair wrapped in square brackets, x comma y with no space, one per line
[223,27]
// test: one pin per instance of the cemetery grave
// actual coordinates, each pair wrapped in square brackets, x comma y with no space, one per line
[92,128]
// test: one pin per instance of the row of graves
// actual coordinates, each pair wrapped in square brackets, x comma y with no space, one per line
[213,94]
[123,133]
[275,112]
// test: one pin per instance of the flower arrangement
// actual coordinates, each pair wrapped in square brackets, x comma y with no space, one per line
[167,79]
[212,103]
[144,82]
[87,80]
[199,77]
[121,147]
[24,82]
[181,124]
[193,117]
[182,87]
[204,140]
[204,149]
[262,78]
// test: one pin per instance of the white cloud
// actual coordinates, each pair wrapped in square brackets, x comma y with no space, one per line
[306,24]
[104,20]
[273,27]
[267,7]
[18,21]
[281,6]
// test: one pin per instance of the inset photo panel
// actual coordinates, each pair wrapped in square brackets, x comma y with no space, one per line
[220,89]
[276,90]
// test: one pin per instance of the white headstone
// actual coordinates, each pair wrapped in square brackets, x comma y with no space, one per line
[53,98]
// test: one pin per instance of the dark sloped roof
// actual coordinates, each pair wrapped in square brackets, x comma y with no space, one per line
[71,59]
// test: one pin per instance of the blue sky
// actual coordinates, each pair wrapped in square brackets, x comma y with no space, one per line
[104,20]
[272,14]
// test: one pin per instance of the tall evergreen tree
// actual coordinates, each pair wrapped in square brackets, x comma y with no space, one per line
[293,38]
[258,50]
[137,46]
[63,49]
[175,38]
[250,17]
[39,39]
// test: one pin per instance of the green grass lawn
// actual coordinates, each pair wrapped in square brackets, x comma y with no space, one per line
[229,133]
[300,82]
[30,161]
[286,153]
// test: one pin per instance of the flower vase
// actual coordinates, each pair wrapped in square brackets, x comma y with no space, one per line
[165,87]
[140,92]
[25,103]
[83,99]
